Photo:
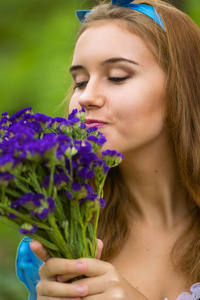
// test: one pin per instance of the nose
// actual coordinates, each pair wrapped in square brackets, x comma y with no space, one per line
[92,97]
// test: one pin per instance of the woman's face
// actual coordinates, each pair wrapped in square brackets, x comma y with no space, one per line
[121,86]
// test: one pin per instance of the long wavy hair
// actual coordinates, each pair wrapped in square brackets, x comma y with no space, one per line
[177,51]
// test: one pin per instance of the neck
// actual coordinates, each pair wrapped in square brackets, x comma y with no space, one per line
[151,176]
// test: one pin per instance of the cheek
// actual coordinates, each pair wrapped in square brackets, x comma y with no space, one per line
[74,104]
[140,116]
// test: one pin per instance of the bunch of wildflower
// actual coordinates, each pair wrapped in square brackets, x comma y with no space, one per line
[51,180]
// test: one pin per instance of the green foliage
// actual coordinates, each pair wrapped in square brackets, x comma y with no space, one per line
[192,7]
[10,286]
[37,40]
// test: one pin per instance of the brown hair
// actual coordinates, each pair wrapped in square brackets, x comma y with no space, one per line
[178,53]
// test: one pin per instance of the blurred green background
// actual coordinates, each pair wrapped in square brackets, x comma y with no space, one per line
[36,45]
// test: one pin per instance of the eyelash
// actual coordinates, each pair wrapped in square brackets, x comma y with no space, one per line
[118,79]
[80,84]
[114,79]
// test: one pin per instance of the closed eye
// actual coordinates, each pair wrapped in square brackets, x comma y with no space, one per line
[118,79]
[80,84]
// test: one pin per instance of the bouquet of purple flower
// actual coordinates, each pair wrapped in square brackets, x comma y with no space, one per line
[51,180]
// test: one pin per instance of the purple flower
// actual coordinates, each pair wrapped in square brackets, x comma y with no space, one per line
[43,214]
[75,163]
[45,208]
[102,202]
[69,195]
[35,199]
[120,155]
[61,120]
[28,201]
[82,110]
[74,120]
[5,114]
[12,217]
[92,129]
[42,118]
[101,165]
[6,176]
[109,152]
[3,121]
[28,229]
[101,141]
[51,204]
[86,173]
[72,114]
[88,188]
[76,187]
[92,138]
[88,158]
[90,197]
[87,146]
[18,114]
[82,126]
[57,180]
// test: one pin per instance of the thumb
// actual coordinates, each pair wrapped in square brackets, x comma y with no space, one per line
[100,248]
[39,250]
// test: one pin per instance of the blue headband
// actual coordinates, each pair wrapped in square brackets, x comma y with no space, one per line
[143,8]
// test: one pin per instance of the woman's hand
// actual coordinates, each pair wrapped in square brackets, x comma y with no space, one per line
[42,253]
[102,281]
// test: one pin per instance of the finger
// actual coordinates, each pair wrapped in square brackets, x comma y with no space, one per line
[100,248]
[57,289]
[95,285]
[63,278]
[62,268]
[89,267]
[92,267]
[39,250]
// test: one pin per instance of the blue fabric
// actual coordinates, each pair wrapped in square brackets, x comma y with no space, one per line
[27,267]
[143,8]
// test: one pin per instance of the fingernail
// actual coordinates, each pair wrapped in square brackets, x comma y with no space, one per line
[81,290]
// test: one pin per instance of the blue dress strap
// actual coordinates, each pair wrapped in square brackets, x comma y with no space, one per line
[27,266]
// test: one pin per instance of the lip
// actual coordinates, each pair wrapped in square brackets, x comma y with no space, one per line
[94,123]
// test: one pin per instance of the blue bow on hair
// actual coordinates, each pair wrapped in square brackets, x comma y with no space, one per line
[143,8]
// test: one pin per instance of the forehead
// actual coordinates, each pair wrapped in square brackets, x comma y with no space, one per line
[109,39]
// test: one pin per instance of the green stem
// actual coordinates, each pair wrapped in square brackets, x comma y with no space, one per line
[96,216]
[58,238]
[3,194]
[52,169]
[85,241]
[48,245]
[36,185]
[23,217]
[13,193]
[21,178]
[22,187]
[96,219]
[83,227]
[72,223]
[59,208]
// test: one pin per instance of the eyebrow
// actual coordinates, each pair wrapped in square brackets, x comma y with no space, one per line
[116,60]
[105,62]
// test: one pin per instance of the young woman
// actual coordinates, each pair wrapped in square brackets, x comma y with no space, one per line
[136,71]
